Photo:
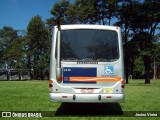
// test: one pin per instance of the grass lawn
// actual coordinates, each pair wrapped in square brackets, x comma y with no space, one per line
[33,96]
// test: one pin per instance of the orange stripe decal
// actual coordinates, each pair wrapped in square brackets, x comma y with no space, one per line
[95,79]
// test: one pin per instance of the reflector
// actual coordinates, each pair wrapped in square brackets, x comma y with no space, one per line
[122,86]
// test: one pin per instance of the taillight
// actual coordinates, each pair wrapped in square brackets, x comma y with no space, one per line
[122,86]
[50,83]
[122,82]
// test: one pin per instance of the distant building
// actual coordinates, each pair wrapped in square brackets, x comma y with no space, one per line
[14,74]
[3,74]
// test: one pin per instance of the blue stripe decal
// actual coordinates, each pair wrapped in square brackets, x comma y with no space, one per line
[79,72]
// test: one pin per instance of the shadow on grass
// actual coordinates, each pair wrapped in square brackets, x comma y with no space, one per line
[90,109]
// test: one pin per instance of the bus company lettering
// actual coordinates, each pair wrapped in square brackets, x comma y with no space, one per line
[87,62]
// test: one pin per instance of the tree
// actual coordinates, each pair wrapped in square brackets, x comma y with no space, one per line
[138,70]
[59,13]
[124,15]
[106,10]
[139,21]
[86,11]
[37,46]
[8,50]
[83,11]
[144,30]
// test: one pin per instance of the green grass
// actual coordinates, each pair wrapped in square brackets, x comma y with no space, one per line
[33,96]
[142,97]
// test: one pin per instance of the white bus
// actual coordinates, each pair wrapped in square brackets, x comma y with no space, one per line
[86,64]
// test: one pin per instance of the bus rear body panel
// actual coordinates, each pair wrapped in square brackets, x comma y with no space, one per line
[91,64]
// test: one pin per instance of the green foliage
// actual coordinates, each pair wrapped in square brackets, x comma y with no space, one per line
[138,70]
[139,21]
[8,50]
[30,51]
[59,11]
[89,6]
[16,53]
[38,47]
[83,11]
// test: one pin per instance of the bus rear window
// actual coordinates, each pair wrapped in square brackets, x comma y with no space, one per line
[89,44]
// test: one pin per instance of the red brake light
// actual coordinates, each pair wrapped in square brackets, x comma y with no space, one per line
[122,86]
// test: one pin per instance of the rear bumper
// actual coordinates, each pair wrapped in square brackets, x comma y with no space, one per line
[86,98]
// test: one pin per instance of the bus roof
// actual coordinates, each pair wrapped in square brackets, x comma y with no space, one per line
[86,26]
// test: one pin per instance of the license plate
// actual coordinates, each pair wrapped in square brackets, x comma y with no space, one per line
[87,90]
[107,90]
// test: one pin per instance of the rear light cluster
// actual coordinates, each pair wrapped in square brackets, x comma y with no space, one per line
[50,83]
[122,86]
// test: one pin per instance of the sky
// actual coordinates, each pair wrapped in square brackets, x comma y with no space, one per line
[18,13]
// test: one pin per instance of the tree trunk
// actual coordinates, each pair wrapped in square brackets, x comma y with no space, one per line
[8,74]
[19,74]
[35,75]
[126,67]
[41,75]
[31,74]
[147,70]
[126,54]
